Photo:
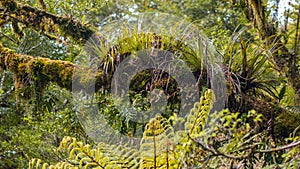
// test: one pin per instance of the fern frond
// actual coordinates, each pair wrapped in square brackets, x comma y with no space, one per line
[199,114]
[157,143]
[38,163]
[160,146]
[84,156]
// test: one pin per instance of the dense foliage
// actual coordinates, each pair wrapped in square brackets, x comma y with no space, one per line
[257,42]
[232,139]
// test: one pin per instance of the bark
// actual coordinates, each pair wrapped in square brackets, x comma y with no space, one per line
[42,21]
[267,32]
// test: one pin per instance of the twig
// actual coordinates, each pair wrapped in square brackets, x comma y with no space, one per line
[251,148]
[294,144]
[217,153]
[8,37]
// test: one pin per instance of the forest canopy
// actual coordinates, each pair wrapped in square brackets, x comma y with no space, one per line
[149,84]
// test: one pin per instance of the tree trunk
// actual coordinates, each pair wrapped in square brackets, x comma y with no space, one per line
[283,58]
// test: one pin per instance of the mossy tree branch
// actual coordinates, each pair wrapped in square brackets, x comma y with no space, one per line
[267,31]
[42,21]
[43,70]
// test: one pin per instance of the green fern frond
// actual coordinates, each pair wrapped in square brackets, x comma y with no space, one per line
[84,156]
[160,146]
[199,114]
[157,143]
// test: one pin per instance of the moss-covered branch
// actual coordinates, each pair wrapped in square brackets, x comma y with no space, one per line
[268,32]
[43,21]
[43,70]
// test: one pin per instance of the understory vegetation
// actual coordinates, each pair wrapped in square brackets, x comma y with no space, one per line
[229,141]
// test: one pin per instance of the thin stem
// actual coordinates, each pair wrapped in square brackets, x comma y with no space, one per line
[294,144]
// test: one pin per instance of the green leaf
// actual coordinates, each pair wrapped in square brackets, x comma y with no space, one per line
[282,92]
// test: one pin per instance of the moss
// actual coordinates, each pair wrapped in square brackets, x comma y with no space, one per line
[41,71]
[9,4]
[43,21]
[286,123]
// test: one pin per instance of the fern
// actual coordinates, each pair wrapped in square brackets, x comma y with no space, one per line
[231,139]
[157,143]
[83,156]
[199,114]
[160,147]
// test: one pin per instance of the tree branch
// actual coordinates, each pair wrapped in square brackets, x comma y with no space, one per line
[267,31]
[294,144]
[41,21]
[44,70]
[251,149]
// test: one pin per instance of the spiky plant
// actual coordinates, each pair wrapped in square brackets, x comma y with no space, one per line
[254,82]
